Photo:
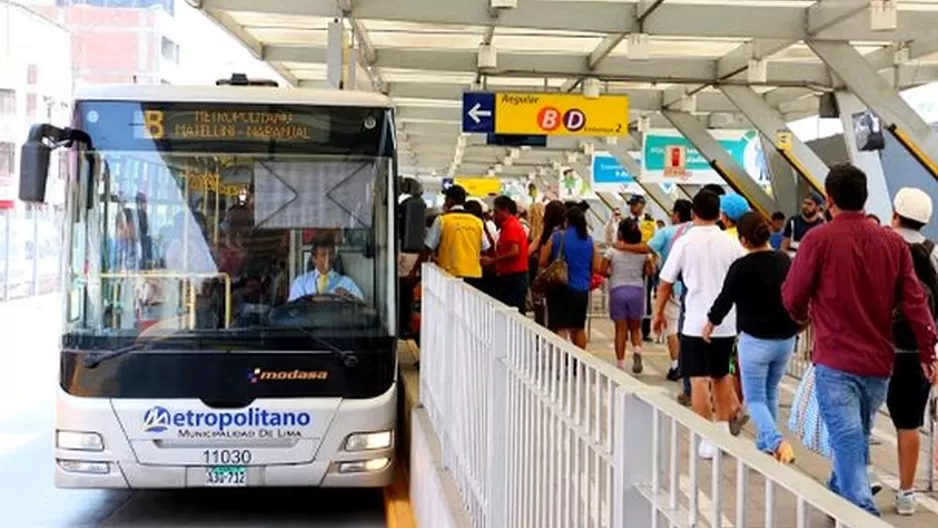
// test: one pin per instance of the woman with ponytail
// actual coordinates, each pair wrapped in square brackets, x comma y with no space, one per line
[766,331]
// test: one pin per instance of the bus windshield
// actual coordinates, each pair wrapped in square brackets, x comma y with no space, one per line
[204,232]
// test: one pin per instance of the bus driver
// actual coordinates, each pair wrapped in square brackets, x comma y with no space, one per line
[323,280]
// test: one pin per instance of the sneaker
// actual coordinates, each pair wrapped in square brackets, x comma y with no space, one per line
[674,375]
[683,399]
[737,423]
[706,450]
[784,453]
[875,485]
[620,364]
[905,503]
[637,364]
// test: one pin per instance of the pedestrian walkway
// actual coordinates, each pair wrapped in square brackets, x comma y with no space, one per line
[883,452]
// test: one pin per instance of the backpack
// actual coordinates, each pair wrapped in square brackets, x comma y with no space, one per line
[928,277]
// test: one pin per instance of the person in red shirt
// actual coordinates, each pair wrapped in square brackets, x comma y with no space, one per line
[853,274]
[511,255]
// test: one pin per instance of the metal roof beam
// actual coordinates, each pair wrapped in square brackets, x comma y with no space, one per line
[228,24]
[713,152]
[670,70]
[897,115]
[785,22]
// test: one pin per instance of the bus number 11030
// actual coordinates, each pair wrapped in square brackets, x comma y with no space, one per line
[226,456]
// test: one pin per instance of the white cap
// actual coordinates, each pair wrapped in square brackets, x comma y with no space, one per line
[913,204]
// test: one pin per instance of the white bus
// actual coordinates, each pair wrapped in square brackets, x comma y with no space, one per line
[230,287]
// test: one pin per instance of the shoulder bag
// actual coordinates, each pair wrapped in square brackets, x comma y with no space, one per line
[555,273]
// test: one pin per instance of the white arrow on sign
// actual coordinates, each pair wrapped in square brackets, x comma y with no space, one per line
[476,112]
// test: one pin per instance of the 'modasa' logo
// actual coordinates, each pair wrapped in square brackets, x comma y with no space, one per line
[156,420]
[257,374]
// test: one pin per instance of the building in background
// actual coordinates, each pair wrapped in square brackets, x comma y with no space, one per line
[35,86]
[119,41]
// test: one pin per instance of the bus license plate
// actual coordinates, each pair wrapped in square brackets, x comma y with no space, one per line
[226,476]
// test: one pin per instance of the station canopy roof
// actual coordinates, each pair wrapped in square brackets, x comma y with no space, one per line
[423,54]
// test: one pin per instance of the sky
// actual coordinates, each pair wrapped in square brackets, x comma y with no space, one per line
[208,52]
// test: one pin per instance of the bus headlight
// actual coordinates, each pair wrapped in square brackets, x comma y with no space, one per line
[79,441]
[368,441]
[364,466]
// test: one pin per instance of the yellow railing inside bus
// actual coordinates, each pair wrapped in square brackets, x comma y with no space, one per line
[189,289]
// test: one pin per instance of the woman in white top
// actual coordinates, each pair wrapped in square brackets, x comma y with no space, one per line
[626,272]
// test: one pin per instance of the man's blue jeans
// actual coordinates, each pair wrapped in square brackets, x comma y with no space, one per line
[762,363]
[847,403]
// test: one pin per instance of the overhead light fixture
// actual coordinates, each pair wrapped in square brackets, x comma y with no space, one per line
[884,15]
[758,71]
[572,157]
[504,4]
[498,167]
[509,161]
[639,46]
[591,88]
[587,148]
[487,57]
[491,173]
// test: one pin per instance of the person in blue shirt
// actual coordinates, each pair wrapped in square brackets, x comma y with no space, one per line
[567,303]
[323,280]
[778,229]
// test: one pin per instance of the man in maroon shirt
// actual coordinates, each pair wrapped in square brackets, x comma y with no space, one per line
[852,274]
[511,254]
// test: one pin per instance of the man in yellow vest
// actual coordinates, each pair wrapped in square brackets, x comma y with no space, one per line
[458,238]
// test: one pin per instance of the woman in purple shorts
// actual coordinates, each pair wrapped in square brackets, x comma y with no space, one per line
[626,272]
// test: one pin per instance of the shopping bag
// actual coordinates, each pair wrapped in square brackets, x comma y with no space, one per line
[805,418]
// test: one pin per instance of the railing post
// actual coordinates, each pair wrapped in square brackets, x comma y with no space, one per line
[496,489]
[633,452]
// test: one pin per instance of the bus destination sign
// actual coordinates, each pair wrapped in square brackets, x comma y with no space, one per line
[229,125]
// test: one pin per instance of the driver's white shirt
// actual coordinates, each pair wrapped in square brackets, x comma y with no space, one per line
[308,284]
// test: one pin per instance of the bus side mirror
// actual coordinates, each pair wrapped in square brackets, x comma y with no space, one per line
[34,170]
[414,224]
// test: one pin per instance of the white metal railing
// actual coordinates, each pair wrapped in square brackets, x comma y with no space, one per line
[536,432]
[801,358]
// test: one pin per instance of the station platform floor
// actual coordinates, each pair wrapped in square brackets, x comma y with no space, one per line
[883,451]
[29,355]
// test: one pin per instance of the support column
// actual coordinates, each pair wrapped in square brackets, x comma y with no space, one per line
[898,117]
[879,202]
[784,182]
[335,54]
[806,163]
[720,160]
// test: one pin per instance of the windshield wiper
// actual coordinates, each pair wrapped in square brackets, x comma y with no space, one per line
[349,359]
[93,359]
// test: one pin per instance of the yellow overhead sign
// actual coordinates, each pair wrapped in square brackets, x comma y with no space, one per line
[561,114]
[479,186]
